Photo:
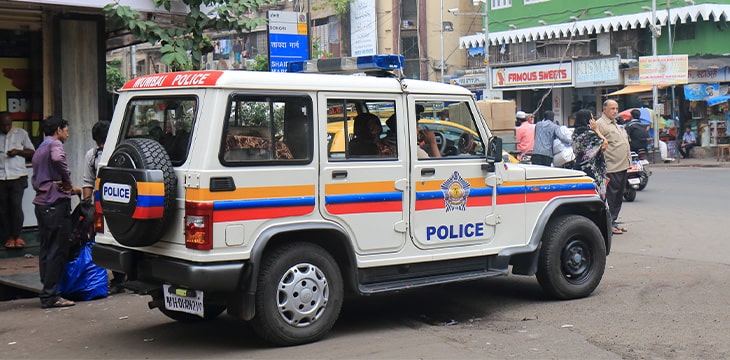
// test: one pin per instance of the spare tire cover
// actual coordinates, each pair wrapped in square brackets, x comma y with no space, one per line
[137,192]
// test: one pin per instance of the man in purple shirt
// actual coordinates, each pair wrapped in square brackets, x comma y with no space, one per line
[52,183]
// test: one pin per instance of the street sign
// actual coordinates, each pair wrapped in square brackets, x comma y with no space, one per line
[288,39]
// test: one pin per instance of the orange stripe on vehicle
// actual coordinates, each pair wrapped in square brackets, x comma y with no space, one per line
[360,187]
[150,188]
[263,192]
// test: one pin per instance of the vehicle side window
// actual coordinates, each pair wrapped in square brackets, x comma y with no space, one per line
[167,120]
[267,129]
[447,130]
[361,129]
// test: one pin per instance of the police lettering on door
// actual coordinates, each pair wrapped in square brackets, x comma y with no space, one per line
[455,191]
[460,231]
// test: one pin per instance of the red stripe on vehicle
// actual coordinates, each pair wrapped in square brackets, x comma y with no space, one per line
[260,213]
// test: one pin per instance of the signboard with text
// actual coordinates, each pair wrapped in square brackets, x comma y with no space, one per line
[663,69]
[597,72]
[363,19]
[531,76]
[288,39]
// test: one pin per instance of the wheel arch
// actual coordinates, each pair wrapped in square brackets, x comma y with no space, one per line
[330,236]
[524,258]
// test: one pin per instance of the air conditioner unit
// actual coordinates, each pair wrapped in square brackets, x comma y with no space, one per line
[626,52]
[437,65]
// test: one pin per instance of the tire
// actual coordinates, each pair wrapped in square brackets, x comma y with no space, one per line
[209,313]
[572,258]
[299,296]
[630,194]
[133,161]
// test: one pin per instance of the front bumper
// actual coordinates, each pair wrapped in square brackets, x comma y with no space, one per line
[218,277]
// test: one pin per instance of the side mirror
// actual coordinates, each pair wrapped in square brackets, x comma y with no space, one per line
[494,155]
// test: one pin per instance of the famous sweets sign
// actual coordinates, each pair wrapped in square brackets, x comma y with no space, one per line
[533,76]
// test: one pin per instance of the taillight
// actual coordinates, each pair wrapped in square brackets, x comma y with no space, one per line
[98,217]
[199,225]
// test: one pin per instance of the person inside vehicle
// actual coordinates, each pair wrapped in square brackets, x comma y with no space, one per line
[367,130]
[427,145]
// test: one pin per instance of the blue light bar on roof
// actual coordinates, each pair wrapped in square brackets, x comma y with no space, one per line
[348,64]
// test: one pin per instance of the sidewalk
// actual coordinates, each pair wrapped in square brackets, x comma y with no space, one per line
[692,162]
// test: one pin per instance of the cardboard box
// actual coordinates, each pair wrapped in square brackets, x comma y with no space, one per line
[500,114]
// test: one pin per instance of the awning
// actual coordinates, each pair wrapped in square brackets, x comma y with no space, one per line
[717,100]
[632,89]
[680,15]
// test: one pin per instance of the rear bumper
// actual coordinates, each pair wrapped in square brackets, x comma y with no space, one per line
[219,277]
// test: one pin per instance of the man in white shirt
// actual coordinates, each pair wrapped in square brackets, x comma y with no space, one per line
[16,148]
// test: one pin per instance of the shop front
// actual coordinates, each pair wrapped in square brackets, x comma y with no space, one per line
[706,96]
[537,88]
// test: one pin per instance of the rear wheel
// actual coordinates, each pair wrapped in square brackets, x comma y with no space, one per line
[572,257]
[630,194]
[299,296]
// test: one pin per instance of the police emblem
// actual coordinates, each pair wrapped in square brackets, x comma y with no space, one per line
[456,191]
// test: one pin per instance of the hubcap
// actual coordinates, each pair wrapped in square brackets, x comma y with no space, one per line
[302,295]
[576,260]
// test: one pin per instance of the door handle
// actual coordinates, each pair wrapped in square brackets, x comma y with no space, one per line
[339,174]
[428,172]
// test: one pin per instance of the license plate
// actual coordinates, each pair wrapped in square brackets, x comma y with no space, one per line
[183,300]
[636,181]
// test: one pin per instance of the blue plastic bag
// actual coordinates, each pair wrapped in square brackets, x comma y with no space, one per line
[83,280]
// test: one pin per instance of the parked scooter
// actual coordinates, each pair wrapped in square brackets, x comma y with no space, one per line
[637,177]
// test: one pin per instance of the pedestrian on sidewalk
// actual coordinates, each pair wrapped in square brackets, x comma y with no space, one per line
[16,147]
[52,183]
[618,160]
[546,131]
[91,166]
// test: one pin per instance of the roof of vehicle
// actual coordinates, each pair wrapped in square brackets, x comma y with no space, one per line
[261,80]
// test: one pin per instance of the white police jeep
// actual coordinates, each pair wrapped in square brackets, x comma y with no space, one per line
[272,195]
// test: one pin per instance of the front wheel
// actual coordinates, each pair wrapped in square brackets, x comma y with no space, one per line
[299,295]
[572,258]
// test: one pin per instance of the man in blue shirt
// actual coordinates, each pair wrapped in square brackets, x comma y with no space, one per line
[546,131]
[688,142]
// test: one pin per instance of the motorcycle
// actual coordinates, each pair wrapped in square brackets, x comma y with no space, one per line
[637,177]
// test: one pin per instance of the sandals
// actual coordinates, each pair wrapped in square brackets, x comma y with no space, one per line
[15,244]
[618,230]
[60,303]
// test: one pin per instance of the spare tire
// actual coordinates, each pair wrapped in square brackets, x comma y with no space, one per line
[137,192]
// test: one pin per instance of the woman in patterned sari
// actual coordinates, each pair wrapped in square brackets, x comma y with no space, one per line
[588,146]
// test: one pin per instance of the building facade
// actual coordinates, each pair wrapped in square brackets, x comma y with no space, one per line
[549,56]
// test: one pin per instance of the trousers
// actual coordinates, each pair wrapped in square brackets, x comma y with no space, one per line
[54,232]
[615,193]
[11,207]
